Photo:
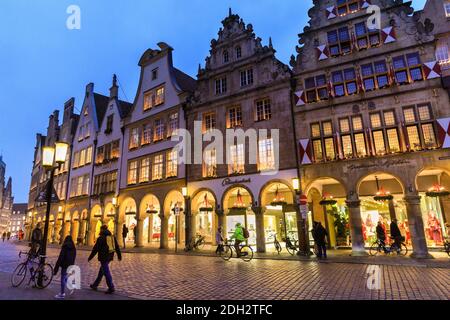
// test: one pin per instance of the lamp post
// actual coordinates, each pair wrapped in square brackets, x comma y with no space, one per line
[301,209]
[187,215]
[52,158]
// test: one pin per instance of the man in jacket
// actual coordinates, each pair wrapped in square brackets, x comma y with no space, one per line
[105,246]
[36,239]
[319,235]
[396,234]
[238,237]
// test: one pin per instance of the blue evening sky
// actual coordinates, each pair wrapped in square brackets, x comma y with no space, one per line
[43,64]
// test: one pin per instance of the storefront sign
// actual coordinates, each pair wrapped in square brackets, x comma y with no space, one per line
[383,164]
[229,181]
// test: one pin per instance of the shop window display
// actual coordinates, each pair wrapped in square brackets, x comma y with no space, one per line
[433,220]
[204,224]
[171,228]
[247,220]
[156,228]
[130,222]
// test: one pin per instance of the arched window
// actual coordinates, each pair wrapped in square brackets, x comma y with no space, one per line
[226,57]
[238,52]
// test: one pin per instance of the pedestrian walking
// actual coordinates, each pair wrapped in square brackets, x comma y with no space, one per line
[105,247]
[4,236]
[319,235]
[124,235]
[8,235]
[219,240]
[36,239]
[66,258]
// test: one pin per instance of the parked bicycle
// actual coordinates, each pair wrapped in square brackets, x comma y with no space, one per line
[291,246]
[380,247]
[276,243]
[246,252]
[40,274]
[447,247]
[196,243]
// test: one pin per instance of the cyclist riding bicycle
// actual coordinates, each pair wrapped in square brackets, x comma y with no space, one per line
[36,240]
[396,234]
[381,236]
[239,237]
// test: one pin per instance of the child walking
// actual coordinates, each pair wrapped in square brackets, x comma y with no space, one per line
[65,260]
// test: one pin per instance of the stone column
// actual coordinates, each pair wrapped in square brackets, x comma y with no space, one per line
[63,231]
[416,227]
[445,205]
[164,239]
[220,218]
[118,227]
[260,234]
[139,238]
[91,232]
[356,228]
[392,210]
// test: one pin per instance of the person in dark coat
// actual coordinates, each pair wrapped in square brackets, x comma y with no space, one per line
[319,236]
[4,236]
[396,234]
[36,239]
[124,235]
[8,235]
[381,235]
[66,259]
[105,247]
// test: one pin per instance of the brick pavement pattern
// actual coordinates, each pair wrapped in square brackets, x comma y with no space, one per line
[161,276]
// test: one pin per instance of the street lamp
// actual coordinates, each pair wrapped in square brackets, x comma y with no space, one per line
[301,209]
[52,159]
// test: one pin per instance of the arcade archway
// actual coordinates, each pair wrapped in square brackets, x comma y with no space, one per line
[174,210]
[237,203]
[203,209]
[150,209]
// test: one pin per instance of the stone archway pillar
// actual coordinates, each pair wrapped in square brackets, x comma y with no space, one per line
[260,234]
[164,237]
[118,228]
[392,210]
[416,227]
[355,220]
[91,232]
[139,234]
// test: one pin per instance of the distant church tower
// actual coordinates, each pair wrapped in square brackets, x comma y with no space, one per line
[6,198]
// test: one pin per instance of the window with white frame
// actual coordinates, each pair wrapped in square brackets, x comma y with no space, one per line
[146,134]
[144,174]
[234,117]
[173,125]
[154,98]
[266,155]
[158,164]
[210,163]
[246,77]
[134,138]
[209,122]
[263,110]
[237,159]
[442,54]
[159,130]
[221,85]
[172,163]
[132,172]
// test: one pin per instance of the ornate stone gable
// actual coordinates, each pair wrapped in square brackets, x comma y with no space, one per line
[395,15]
[237,48]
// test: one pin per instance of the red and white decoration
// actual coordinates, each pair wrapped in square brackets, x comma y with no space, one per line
[444,132]
[305,151]
[388,35]
[432,70]
[300,98]
[322,52]
[365,4]
[331,12]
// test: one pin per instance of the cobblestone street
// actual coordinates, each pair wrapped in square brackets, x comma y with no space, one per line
[161,276]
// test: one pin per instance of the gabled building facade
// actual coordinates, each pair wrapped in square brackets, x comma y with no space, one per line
[242,87]
[6,199]
[151,178]
[370,116]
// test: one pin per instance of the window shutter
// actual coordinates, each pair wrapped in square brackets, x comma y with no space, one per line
[300,98]
[432,70]
[322,52]
[444,132]
[305,151]
[331,12]
[388,35]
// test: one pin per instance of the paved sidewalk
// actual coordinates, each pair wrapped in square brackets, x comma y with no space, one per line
[441,259]
[24,292]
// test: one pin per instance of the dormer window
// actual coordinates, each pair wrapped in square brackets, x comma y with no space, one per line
[238,52]
[155,74]
[154,98]
[226,57]
[109,124]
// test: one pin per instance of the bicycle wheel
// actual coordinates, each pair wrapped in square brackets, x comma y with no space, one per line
[375,249]
[201,244]
[43,276]
[246,253]
[226,253]
[277,246]
[19,275]
[403,251]
[447,248]
[291,249]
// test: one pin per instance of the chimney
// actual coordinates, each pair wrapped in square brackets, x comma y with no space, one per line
[69,106]
[89,89]
[114,90]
